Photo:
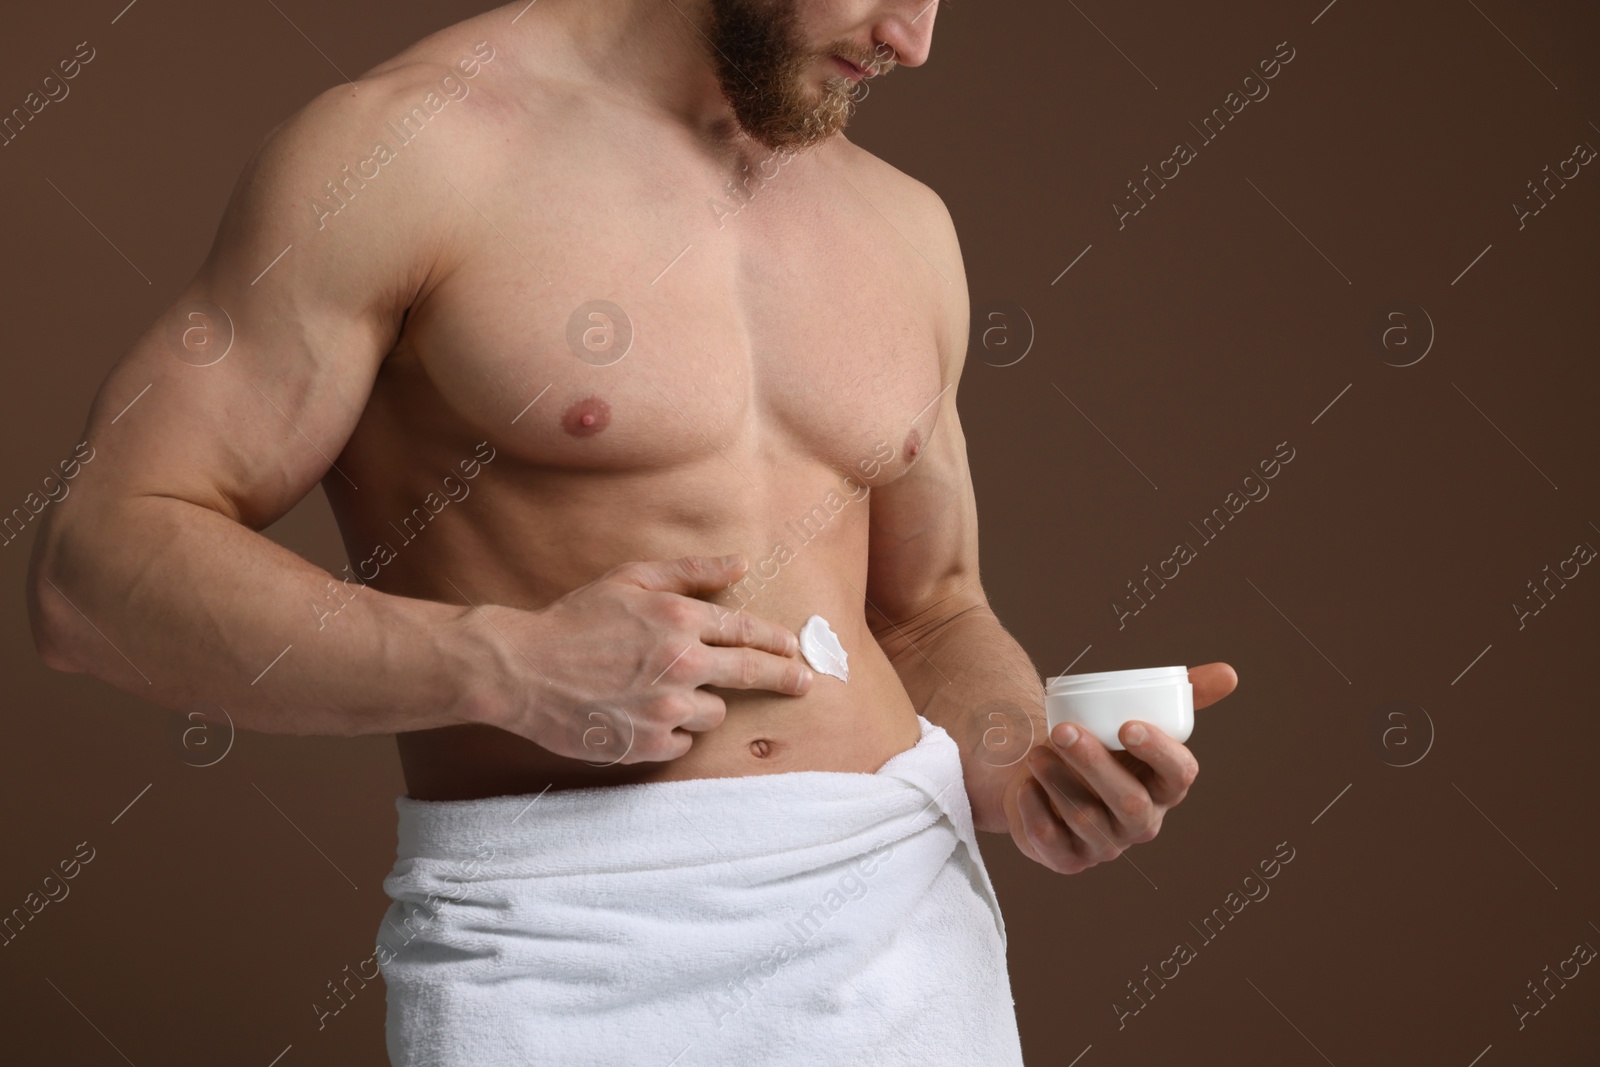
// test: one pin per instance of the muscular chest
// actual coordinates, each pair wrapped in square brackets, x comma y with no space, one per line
[624,316]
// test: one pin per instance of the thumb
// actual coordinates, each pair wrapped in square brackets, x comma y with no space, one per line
[688,575]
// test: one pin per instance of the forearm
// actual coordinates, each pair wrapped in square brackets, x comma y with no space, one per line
[965,673]
[184,607]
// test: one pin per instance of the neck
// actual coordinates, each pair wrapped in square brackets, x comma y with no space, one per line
[657,52]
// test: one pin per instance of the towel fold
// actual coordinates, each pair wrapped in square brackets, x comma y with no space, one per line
[809,917]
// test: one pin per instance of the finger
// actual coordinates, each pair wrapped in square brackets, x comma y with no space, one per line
[1212,682]
[690,575]
[1082,813]
[1009,800]
[724,627]
[660,743]
[749,668]
[608,735]
[1055,843]
[706,711]
[669,746]
[1134,815]
[1173,767]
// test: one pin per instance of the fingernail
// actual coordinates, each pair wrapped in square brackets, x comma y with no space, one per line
[1066,735]
[1134,734]
[728,561]
[806,677]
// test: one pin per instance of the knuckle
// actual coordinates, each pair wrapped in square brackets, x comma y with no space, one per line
[632,573]
[1062,860]
[1051,841]
[664,709]
[679,614]
[749,667]
[1046,832]
[1100,849]
[1190,771]
[690,663]
[1080,859]
[1135,807]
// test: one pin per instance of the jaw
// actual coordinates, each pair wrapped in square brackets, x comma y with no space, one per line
[786,91]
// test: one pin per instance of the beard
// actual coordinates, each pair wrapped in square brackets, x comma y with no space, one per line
[761,60]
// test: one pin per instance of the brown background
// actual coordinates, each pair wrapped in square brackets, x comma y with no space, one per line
[1196,339]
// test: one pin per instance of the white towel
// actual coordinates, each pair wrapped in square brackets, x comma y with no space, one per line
[809,917]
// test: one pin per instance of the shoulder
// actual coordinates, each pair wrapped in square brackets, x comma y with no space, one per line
[920,215]
[902,198]
[425,90]
[353,179]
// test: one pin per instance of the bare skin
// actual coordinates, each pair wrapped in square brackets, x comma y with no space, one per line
[532,521]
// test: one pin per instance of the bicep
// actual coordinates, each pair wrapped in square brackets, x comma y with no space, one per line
[239,396]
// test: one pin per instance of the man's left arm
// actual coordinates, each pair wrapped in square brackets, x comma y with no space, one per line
[1068,804]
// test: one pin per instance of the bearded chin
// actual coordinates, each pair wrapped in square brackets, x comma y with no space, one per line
[761,67]
[796,122]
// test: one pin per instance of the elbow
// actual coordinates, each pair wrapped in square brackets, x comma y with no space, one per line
[50,639]
[900,624]
[49,611]
[926,600]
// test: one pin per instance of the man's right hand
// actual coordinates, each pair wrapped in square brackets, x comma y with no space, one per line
[611,672]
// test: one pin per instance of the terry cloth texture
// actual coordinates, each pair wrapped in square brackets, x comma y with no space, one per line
[808,917]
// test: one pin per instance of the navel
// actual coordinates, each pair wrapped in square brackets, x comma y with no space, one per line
[761,748]
[587,417]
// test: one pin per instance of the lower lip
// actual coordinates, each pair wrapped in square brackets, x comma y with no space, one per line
[849,71]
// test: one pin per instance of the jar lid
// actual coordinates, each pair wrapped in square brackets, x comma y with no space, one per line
[1151,674]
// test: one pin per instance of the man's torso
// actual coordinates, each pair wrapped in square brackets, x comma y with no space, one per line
[784,356]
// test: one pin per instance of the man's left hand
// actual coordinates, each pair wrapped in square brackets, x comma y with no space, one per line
[1073,803]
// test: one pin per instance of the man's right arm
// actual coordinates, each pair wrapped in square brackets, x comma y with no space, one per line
[151,574]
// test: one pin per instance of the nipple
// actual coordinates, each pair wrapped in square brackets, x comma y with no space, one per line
[820,646]
[913,446]
[587,417]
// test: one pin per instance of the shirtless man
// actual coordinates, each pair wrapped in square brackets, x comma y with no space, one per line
[609,268]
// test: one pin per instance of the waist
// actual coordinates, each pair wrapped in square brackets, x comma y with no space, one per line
[786,811]
[853,726]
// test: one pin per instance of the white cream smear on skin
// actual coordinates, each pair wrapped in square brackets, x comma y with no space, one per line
[820,646]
